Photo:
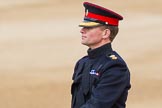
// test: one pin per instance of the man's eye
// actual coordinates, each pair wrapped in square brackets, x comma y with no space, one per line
[88,28]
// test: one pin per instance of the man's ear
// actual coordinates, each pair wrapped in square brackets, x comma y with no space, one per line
[106,33]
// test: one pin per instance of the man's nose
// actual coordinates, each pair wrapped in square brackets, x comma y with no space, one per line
[82,30]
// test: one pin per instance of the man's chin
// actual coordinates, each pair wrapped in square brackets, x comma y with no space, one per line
[83,43]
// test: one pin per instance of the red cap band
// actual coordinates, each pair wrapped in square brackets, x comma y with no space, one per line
[111,21]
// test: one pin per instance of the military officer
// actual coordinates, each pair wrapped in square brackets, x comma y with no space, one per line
[101,79]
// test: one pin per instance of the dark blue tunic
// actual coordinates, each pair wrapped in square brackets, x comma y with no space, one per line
[100,80]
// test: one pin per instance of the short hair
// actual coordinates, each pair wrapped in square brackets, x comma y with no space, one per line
[113,31]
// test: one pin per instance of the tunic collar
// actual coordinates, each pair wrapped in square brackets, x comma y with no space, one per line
[93,53]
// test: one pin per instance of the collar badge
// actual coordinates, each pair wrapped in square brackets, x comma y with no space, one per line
[113,57]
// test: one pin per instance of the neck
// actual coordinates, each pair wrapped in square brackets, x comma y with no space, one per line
[98,45]
[105,49]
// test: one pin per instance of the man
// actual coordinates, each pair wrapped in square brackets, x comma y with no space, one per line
[101,79]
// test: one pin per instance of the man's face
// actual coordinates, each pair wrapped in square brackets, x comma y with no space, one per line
[91,36]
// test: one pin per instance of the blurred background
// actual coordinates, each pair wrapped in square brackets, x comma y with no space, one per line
[40,43]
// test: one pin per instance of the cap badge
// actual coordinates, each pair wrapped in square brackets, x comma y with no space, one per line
[86,12]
